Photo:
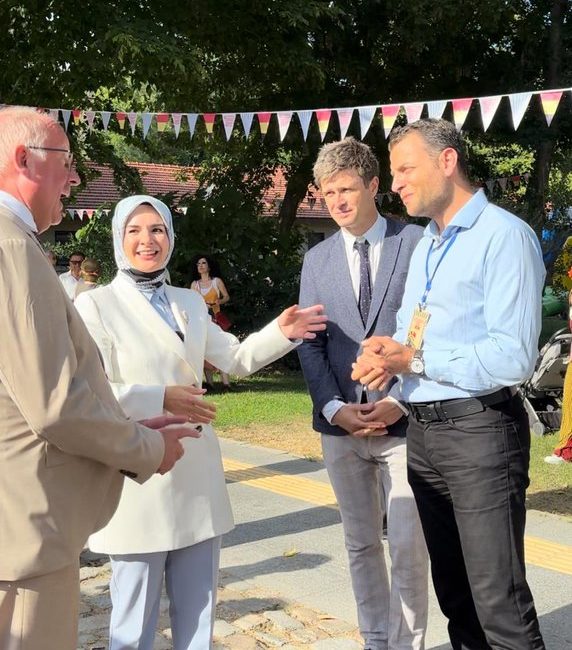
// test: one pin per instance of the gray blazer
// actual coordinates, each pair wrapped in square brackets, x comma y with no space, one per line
[326,360]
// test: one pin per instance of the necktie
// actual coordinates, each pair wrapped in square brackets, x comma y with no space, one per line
[362,247]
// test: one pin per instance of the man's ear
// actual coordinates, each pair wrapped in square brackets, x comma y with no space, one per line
[374,185]
[21,157]
[448,159]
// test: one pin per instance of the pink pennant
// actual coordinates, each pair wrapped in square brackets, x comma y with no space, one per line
[209,119]
[263,122]
[550,101]
[460,111]
[162,121]
[388,116]
[323,116]
[413,111]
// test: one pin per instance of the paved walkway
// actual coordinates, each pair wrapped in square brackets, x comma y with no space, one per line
[284,577]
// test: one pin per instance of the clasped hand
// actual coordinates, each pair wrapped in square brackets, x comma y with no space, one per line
[188,402]
[361,420]
[380,360]
[172,428]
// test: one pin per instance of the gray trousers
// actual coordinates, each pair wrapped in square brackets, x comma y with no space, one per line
[369,478]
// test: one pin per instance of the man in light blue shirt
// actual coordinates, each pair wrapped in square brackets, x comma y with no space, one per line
[467,334]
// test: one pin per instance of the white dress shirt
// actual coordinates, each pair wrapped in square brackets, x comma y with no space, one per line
[19,209]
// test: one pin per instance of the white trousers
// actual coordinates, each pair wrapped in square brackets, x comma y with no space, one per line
[191,577]
[369,478]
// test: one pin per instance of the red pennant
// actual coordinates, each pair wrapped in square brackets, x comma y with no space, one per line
[121,117]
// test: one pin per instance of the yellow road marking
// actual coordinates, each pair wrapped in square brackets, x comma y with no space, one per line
[539,552]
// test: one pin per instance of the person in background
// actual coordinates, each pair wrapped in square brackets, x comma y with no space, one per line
[51,257]
[206,280]
[154,339]
[65,443]
[70,279]
[90,271]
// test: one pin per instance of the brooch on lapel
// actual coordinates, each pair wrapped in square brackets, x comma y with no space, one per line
[185,316]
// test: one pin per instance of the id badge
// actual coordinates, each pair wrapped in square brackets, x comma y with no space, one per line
[417,327]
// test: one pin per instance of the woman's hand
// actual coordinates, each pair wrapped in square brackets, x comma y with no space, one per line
[188,402]
[297,323]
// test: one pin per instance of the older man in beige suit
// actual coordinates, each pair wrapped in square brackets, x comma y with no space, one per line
[65,444]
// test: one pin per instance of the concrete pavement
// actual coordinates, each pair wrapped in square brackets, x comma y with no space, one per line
[284,575]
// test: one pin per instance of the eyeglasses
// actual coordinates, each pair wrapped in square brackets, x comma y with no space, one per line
[69,157]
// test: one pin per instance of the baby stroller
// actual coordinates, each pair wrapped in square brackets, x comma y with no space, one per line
[542,393]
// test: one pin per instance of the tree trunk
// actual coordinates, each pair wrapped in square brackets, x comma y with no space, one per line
[296,189]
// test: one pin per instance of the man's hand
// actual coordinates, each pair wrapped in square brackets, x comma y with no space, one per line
[350,419]
[187,401]
[383,414]
[381,359]
[297,323]
[171,437]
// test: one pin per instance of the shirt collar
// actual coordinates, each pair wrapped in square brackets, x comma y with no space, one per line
[19,209]
[464,218]
[159,292]
[373,235]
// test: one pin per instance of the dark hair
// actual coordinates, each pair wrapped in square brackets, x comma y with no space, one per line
[214,268]
[438,135]
[345,154]
[78,253]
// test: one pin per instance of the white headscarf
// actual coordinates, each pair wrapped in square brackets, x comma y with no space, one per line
[123,210]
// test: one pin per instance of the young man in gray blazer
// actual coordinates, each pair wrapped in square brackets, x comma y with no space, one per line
[358,274]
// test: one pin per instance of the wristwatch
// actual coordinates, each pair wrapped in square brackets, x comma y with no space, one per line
[417,365]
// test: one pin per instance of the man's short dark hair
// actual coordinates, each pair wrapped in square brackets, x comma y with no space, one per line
[438,135]
[345,154]
[77,254]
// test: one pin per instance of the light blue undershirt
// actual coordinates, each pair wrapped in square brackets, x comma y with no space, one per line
[158,299]
[485,305]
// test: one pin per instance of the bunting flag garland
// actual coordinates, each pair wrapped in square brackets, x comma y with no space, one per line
[519,103]
[246,119]
[162,120]
[461,109]
[323,116]
[344,118]
[366,114]
[550,101]
[305,117]
[121,117]
[489,107]
[413,111]
[284,119]
[436,108]
[192,120]
[228,123]
[389,115]
[209,119]
[263,122]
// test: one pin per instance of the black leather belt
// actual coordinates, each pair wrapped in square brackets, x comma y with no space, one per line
[457,408]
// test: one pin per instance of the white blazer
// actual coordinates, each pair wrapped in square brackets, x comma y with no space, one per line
[142,355]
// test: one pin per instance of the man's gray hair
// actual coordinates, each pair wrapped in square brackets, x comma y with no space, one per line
[23,125]
[343,155]
[438,135]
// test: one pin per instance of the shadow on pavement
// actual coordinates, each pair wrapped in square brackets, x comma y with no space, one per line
[286,467]
[273,565]
[293,522]
[557,501]
[556,627]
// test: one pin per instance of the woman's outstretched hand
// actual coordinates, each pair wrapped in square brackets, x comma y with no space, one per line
[297,323]
[188,401]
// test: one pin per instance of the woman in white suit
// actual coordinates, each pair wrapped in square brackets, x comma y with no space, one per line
[154,340]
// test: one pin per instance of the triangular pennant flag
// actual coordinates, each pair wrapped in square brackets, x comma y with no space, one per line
[550,101]
[121,117]
[228,123]
[89,213]
[146,120]
[489,107]
[490,185]
[437,108]
[246,119]
[177,123]
[460,111]
[263,121]
[502,183]
[132,117]
[105,117]
[183,209]
[77,116]
[389,115]
[209,119]
[55,113]
[305,117]
[366,114]
[413,111]
[70,212]
[526,176]
[518,104]
[284,119]
[192,119]
[323,116]
[90,116]
[66,115]
[515,180]
[162,120]
[344,118]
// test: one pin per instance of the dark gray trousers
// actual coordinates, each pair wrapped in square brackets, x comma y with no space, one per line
[469,477]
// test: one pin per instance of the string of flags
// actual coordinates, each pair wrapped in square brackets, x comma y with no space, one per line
[505,183]
[387,113]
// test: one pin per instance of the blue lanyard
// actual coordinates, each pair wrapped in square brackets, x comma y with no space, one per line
[429,278]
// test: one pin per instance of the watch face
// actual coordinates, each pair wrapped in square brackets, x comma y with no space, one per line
[417,366]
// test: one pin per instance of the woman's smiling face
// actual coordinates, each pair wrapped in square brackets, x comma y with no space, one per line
[145,241]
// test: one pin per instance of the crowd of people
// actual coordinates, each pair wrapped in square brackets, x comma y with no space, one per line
[412,342]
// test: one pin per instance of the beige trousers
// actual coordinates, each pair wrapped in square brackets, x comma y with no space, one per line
[40,613]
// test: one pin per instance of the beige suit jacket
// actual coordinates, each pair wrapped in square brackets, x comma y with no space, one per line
[63,436]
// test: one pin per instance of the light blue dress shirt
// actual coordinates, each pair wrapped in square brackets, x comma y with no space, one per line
[485,304]
[158,299]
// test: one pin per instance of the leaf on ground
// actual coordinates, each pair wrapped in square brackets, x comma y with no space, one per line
[291,553]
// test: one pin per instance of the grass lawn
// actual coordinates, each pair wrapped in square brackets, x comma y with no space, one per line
[274,410]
